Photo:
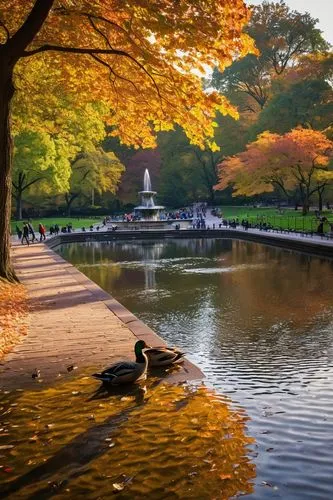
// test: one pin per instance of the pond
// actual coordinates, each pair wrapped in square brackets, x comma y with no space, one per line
[258,321]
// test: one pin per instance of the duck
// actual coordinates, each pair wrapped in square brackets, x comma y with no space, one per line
[164,356]
[126,372]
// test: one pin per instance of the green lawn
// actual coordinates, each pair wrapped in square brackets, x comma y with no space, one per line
[77,223]
[286,219]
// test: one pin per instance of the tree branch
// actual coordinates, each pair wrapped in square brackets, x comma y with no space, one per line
[32,25]
[31,183]
[77,50]
[2,24]
[93,25]
[116,75]
[102,19]
[86,51]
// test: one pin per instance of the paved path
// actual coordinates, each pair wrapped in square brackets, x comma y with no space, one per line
[73,322]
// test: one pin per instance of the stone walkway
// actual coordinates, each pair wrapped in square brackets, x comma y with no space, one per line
[73,323]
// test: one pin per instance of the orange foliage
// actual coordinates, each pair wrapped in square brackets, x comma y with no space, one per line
[13,315]
[144,58]
[311,66]
[299,158]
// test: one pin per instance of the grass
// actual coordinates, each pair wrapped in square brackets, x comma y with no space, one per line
[286,218]
[77,223]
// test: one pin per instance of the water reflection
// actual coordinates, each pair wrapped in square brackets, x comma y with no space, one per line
[259,322]
[161,441]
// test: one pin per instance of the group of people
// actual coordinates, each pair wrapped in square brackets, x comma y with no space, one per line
[182,214]
[27,234]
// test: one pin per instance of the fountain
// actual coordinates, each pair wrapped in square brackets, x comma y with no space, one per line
[148,215]
[148,211]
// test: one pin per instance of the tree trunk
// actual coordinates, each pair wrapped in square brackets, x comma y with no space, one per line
[320,200]
[69,200]
[211,196]
[306,204]
[6,94]
[18,212]
[305,208]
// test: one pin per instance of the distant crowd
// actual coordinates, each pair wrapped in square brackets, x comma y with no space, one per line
[27,233]
[196,215]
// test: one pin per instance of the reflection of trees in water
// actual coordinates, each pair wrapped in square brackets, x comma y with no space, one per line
[91,251]
[93,260]
[290,287]
[268,300]
[281,286]
[170,440]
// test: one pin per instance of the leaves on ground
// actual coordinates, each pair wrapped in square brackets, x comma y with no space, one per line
[13,315]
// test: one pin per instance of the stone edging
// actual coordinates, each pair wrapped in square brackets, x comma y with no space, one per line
[299,244]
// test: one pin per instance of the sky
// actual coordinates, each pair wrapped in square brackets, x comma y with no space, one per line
[319,9]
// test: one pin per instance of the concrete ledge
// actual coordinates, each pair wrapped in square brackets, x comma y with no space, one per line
[303,244]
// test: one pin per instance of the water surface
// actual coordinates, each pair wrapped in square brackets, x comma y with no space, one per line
[259,322]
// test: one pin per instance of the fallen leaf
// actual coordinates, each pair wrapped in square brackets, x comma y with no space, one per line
[225,476]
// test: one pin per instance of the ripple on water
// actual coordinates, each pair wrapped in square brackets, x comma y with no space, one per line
[259,323]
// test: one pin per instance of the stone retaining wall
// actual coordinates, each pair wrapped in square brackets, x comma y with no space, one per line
[303,244]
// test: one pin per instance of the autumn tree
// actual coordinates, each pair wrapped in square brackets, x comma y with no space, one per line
[34,161]
[43,153]
[282,36]
[308,104]
[181,181]
[98,170]
[299,159]
[138,57]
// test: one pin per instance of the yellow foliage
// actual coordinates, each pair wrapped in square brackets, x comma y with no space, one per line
[143,59]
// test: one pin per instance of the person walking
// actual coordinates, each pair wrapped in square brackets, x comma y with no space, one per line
[41,230]
[32,232]
[56,229]
[18,232]
[25,234]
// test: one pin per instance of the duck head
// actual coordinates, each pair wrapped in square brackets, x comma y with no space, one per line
[139,346]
